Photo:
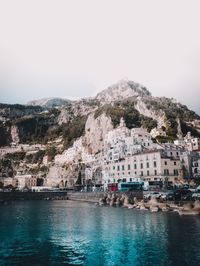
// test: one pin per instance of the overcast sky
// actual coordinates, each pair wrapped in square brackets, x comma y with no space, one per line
[75,48]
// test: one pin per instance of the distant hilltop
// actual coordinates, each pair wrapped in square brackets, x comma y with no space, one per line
[50,102]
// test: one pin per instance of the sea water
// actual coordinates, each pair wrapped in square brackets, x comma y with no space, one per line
[78,233]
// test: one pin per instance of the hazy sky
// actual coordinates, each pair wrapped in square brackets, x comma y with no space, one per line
[75,48]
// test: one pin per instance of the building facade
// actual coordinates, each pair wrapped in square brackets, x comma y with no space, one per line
[151,166]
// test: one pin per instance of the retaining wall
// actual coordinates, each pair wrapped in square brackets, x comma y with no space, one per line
[44,195]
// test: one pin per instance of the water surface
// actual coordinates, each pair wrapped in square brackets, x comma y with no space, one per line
[77,233]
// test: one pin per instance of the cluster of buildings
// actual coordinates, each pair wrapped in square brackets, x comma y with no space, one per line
[20,181]
[132,154]
[126,155]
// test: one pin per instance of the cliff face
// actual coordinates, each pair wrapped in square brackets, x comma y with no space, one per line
[158,115]
[95,131]
[14,130]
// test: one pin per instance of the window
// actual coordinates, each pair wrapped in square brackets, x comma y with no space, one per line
[129,173]
[113,167]
[175,172]
[155,172]
[135,173]
[122,167]
[174,163]
[166,171]
[141,165]
[130,179]
[122,173]
[147,165]
[141,173]
[148,172]
[118,168]
[154,163]
[135,166]
[165,162]
[129,167]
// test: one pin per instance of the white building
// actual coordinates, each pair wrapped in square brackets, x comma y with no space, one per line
[191,143]
[78,152]
[122,142]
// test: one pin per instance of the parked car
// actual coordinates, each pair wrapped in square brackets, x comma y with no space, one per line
[179,194]
[163,196]
[187,196]
[196,195]
[170,195]
[151,195]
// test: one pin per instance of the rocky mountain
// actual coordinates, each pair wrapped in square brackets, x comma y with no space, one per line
[47,119]
[50,102]
[123,90]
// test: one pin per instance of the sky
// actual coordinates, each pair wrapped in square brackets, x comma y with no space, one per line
[76,48]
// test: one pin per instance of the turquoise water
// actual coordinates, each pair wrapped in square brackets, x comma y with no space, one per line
[76,233]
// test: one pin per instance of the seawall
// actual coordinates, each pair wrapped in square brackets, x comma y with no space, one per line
[44,195]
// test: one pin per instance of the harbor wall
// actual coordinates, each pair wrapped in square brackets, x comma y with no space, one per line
[44,195]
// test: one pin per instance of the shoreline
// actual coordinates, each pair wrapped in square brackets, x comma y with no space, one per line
[122,200]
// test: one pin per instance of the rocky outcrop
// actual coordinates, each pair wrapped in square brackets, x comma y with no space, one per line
[62,175]
[95,130]
[15,134]
[179,131]
[77,108]
[159,116]
[64,116]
